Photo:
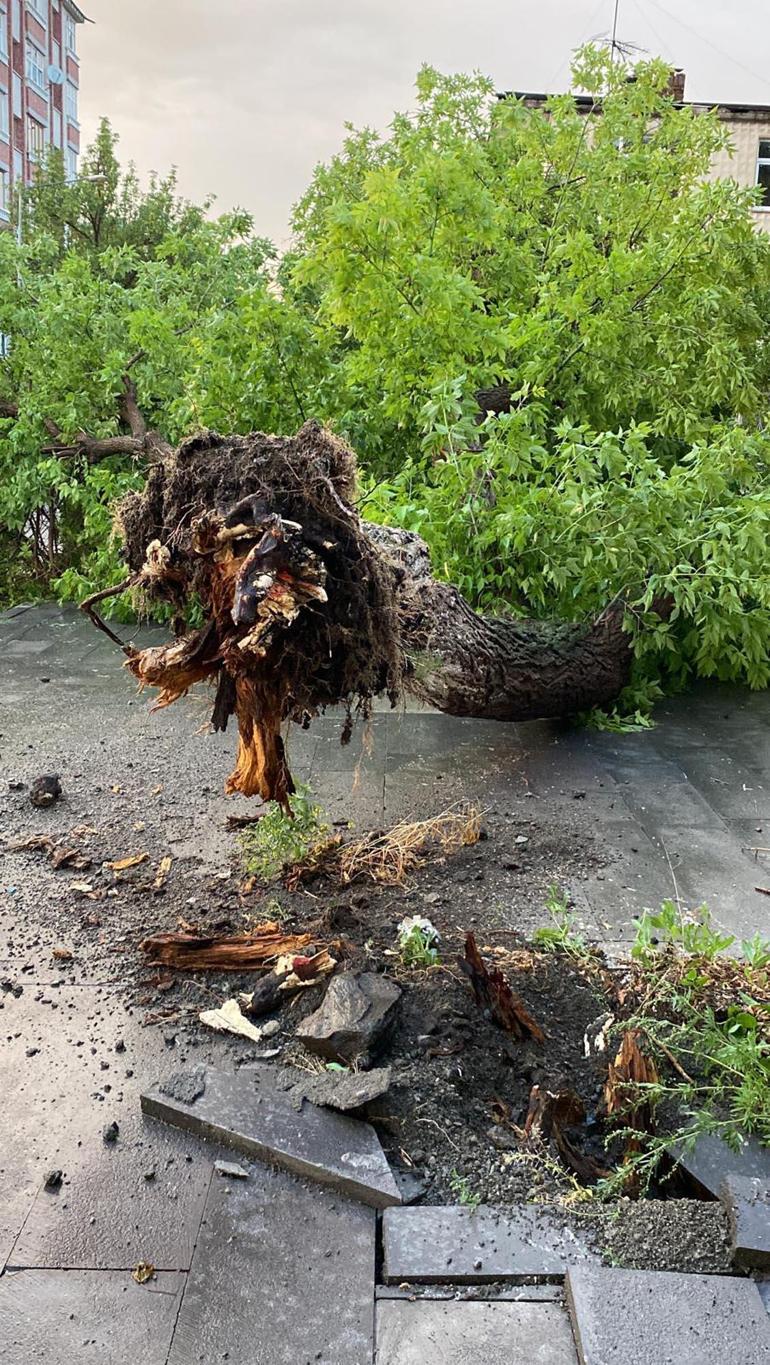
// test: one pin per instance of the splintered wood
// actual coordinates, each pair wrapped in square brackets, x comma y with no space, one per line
[494,995]
[192,951]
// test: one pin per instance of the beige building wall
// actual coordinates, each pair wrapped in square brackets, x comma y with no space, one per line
[746,130]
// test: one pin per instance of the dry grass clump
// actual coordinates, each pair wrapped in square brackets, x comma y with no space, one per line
[389,858]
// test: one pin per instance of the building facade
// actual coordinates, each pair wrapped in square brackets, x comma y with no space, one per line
[39,82]
[747,158]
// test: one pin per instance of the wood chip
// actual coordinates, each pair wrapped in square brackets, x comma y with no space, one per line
[123,864]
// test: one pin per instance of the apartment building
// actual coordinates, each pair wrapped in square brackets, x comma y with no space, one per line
[39,81]
[747,158]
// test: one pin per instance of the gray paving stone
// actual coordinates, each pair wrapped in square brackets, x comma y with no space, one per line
[747,1202]
[454,1245]
[106,1214]
[637,1317]
[247,1112]
[427,1332]
[711,1161]
[102,1316]
[283,1274]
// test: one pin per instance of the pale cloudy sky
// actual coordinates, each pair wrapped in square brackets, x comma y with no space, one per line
[245,96]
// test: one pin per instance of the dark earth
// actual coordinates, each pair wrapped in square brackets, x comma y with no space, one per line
[594,812]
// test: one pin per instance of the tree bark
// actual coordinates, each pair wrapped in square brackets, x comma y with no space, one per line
[497,668]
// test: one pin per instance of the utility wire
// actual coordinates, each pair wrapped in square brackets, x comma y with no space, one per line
[720,51]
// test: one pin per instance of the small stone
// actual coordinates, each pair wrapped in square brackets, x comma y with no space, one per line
[110,1133]
[231,1169]
[53,1180]
[355,1013]
[521,840]
[45,790]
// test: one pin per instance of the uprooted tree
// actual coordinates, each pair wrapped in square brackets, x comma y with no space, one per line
[307,606]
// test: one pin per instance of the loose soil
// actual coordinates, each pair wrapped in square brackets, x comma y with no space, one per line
[454,1072]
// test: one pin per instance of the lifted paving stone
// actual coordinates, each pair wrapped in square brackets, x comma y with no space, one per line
[747,1202]
[711,1161]
[429,1332]
[283,1274]
[638,1317]
[103,1316]
[453,1245]
[247,1112]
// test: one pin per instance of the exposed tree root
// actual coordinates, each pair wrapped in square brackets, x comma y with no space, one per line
[305,606]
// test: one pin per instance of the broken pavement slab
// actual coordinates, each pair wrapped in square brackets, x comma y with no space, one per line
[454,1245]
[711,1161]
[246,1111]
[747,1204]
[433,1332]
[639,1317]
[283,1274]
[344,1091]
[356,1011]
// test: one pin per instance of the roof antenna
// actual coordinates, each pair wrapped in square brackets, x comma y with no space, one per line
[614,43]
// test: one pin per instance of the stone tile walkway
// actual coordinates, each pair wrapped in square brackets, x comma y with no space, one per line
[272,1270]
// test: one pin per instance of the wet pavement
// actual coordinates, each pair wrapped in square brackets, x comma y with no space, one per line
[682,811]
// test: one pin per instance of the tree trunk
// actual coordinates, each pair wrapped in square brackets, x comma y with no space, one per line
[497,668]
[307,606]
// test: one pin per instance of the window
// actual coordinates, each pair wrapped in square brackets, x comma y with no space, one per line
[70,33]
[57,128]
[3,32]
[5,202]
[39,8]
[763,172]
[56,52]
[72,164]
[5,340]
[16,84]
[36,67]
[16,17]
[71,102]
[35,139]
[5,125]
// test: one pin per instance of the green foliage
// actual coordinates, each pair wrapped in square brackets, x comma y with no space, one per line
[417,942]
[669,926]
[463,1192]
[585,263]
[722,1081]
[278,841]
[560,936]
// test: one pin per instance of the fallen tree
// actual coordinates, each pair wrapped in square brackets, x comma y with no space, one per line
[306,606]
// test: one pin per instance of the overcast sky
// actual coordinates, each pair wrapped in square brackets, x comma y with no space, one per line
[245,96]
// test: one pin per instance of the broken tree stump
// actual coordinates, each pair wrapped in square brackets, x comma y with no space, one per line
[307,606]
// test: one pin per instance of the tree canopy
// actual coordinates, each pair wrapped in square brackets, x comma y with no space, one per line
[543,330]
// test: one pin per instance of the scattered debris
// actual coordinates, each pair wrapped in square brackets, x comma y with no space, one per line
[343,1090]
[161,876]
[390,857]
[243,821]
[110,1133]
[229,1018]
[63,954]
[45,790]
[53,1180]
[185,1086]
[231,1169]
[494,996]
[71,858]
[193,951]
[143,1272]
[289,974]
[123,864]
[353,1017]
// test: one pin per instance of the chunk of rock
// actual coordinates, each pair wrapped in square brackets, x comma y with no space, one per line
[355,1013]
[185,1086]
[45,790]
[231,1169]
[343,1090]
